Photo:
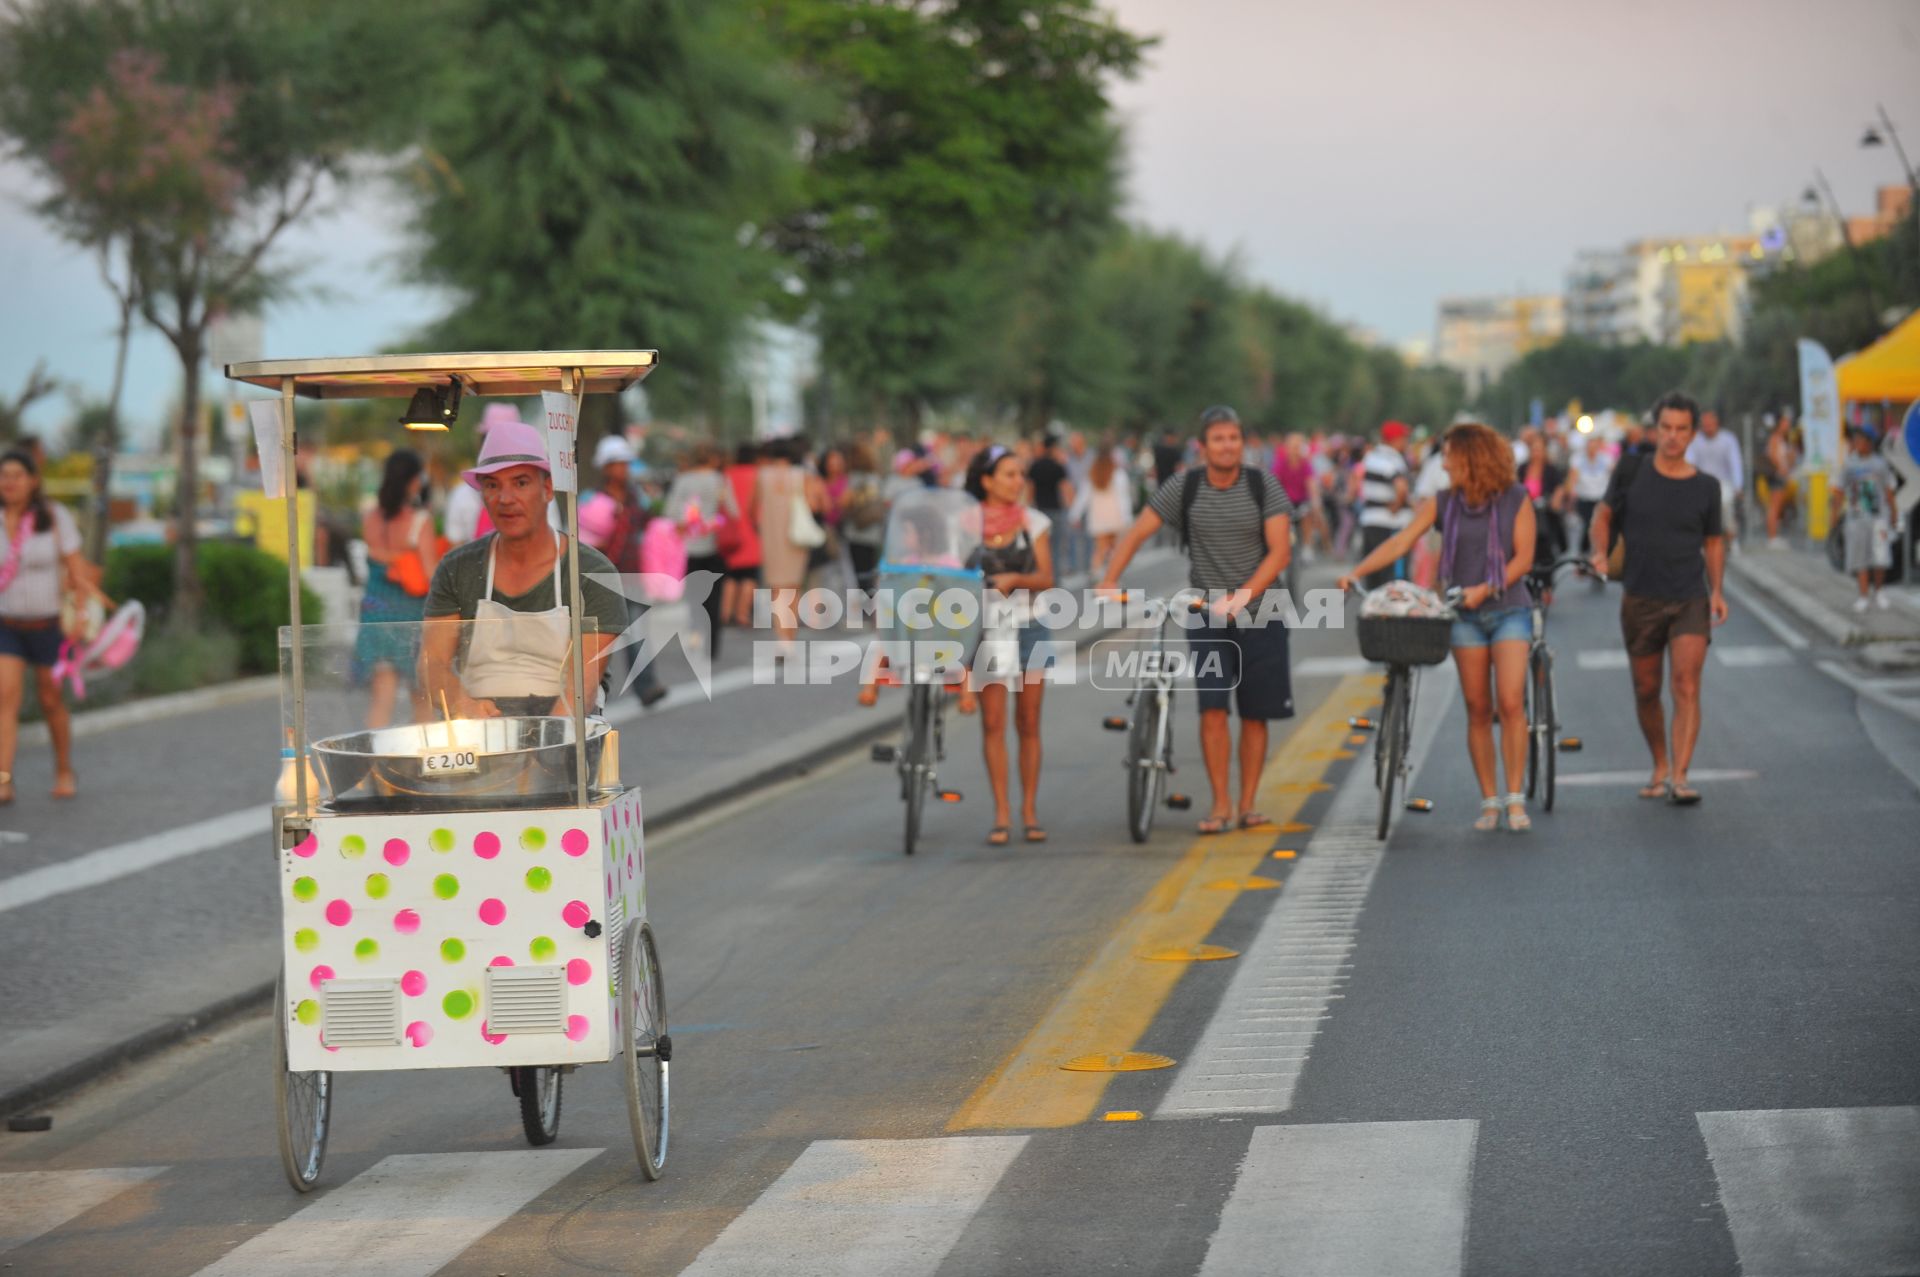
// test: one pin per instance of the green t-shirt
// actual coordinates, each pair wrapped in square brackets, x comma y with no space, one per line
[461,580]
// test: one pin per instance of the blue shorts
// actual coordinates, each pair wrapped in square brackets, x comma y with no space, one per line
[1244,667]
[36,645]
[1492,625]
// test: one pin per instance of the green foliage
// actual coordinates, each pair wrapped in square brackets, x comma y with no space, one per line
[593,174]
[174,658]
[246,593]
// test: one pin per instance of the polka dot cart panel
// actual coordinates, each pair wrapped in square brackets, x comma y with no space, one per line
[416,908]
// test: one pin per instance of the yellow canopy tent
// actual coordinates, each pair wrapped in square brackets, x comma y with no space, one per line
[1889,369]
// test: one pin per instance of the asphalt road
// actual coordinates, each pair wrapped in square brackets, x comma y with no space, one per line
[1639,1039]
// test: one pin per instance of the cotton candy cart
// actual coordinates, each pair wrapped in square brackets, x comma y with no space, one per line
[456,892]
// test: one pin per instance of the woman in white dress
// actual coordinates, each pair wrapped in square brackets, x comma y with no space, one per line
[1106,506]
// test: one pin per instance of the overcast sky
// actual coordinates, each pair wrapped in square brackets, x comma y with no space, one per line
[1370,157]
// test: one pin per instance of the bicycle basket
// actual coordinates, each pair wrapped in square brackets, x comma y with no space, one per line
[1405,640]
[937,609]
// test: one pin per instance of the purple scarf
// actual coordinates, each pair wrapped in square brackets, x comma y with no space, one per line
[1496,552]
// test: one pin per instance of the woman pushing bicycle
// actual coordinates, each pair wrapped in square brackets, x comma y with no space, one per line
[1487,529]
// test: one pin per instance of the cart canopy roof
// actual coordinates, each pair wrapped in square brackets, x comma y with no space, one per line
[517,373]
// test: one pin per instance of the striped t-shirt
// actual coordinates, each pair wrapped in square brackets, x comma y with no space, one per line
[1381,466]
[1228,538]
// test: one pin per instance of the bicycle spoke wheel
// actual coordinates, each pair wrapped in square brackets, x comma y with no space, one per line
[1141,740]
[1392,718]
[919,761]
[539,1089]
[648,1049]
[1532,699]
[304,1102]
[1549,731]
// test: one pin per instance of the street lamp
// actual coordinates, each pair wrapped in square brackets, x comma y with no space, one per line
[1874,137]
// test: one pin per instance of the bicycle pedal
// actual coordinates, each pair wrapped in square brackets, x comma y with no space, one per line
[949,795]
[883,753]
[1419,804]
[1179,802]
[1115,723]
[1571,744]
[1361,724]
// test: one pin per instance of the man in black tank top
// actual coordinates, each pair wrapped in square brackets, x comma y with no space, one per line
[1668,512]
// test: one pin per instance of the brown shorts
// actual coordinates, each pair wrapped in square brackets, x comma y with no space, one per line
[1649,625]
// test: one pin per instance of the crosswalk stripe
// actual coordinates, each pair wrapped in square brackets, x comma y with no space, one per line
[889,1208]
[1813,1192]
[408,1215]
[36,1202]
[1332,666]
[1351,1199]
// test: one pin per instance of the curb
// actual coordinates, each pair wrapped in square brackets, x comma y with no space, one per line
[151,1041]
[1805,607]
[150,709]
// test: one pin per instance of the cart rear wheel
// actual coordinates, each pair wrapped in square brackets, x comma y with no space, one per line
[539,1090]
[648,1049]
[304,1103]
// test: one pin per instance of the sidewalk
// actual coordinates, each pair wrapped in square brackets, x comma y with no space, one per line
[1801,582]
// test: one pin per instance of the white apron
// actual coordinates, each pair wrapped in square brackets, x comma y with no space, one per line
[516,653]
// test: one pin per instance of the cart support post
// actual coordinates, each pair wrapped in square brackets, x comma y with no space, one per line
[573,381]
[292,499]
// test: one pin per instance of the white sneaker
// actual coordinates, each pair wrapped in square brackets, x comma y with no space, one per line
[1881,601]
[1860,604]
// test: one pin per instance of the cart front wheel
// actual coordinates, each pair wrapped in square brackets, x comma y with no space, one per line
[539,1090]
[304,1102]
[648,1049]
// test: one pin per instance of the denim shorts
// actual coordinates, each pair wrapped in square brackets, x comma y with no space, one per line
[1492,625]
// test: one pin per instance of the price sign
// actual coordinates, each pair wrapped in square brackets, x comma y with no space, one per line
[561,430]
[449,762]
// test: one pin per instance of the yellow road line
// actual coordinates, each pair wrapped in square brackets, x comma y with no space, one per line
[1115,997]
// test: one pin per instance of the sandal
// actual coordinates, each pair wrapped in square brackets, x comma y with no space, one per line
[1489,819]
[1254,820]
[1681,794]
[66,785]
[1657,789]
[999,836]
[1213,825]
[1521,823]
[1034,833]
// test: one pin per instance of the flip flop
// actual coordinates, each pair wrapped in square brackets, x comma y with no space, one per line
[1254,820]
[1213,825]
[1035,833]
[1683,795]
[999,836]
[1658,789]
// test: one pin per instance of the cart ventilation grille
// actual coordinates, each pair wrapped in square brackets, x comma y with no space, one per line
[526,1000]
[360,1012]
[616,936]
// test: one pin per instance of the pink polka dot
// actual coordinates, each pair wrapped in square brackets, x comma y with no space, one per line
[419,1033]
[306,846]
[616,1017]
[501,960]
[576,914]
[576,1028]
[406,922]
[495,1038]
[319,973]
[397,851]
[609,884]
[339,912]
[486,846]
[629,862]
[579,971]
[493,912]
[574,842]
[334,1049]
[413,983]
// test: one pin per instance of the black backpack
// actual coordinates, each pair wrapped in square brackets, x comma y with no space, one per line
[1190,489]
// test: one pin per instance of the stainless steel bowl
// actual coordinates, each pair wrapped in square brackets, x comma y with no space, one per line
[518,762]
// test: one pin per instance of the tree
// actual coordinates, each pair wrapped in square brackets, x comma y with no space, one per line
[963,130]
[38,386]
[232,117]
[595,173]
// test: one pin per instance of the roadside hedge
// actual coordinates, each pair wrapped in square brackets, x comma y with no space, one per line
[246,591]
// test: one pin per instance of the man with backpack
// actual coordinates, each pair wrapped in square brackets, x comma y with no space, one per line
[1236,525]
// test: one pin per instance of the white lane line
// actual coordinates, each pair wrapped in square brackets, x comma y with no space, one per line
[1707,774]
[1332,666]
[1812,1192]
[1753,656]
[37,1202]
[130,857]
[407,1215]
[889,1208]
[1602,658]
[1750,602]
[1350,1199]
[1287,977]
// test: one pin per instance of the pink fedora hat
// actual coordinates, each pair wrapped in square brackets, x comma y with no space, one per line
[509,444]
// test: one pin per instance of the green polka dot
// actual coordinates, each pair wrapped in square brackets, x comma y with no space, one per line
[306,940]
[542,949]
[441,840]
[539,879]
[452,950]
[446,886]
[377,885]
[305,888]
[367,950]
[308,1012]
[458,1005]
[353,846]
[533,839]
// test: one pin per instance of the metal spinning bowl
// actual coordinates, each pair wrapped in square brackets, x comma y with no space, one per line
[523,762]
